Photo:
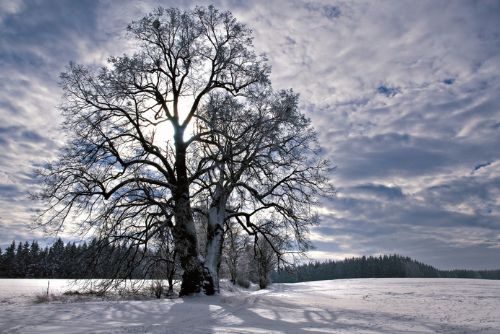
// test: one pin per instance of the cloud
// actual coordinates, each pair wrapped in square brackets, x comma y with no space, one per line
[449,81]
[9,191]
[380,190]
[404,97]
[482,165]
[329,11]
[388,91]
[9,8]
[36,42]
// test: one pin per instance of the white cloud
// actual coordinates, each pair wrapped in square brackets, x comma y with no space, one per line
[404,96]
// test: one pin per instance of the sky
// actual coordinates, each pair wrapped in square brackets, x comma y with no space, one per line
[404,96]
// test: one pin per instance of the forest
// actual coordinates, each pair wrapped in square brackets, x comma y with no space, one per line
[59,260]
[104,260]
[373,267]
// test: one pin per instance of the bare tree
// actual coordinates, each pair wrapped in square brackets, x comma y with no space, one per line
[131,168]
[265,260]
[265,171]
[122,174]
[165,259]
[234,251]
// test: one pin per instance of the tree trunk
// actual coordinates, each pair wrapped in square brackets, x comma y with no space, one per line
[186,244]
[186,239]
[171,273]
[215,238]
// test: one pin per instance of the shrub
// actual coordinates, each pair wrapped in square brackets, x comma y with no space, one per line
[243,282]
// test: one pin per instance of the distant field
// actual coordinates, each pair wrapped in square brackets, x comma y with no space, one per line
[25,290]
[341,306]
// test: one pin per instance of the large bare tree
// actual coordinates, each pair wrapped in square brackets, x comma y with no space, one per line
[266,172]
[189,118]
[124,173]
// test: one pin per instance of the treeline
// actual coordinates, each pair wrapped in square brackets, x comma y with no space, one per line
[372,267]
[107,260]
[85,260]
[101,259]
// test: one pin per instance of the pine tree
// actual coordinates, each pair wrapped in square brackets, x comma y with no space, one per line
[10,260]
[2,266]
[34,267]
[56,258]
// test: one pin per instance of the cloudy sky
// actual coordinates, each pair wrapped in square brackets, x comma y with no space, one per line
[405,96]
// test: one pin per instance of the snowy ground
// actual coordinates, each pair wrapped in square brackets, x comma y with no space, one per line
[339,306]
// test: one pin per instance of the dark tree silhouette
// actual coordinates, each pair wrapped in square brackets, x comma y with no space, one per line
[381,266]
[264,172]
[123,173]
[189,118]
[82,261]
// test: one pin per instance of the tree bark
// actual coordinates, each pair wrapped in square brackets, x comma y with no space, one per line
[215,238]
[187,248]
[185,231]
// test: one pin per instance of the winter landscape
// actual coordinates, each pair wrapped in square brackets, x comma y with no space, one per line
[267,166]
[337,306]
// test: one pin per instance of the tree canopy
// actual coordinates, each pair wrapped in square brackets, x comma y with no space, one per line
[189,118]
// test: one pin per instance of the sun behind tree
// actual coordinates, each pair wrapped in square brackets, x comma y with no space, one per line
[122,180]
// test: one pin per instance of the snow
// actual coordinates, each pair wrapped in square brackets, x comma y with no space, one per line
[338,306]
[16,290]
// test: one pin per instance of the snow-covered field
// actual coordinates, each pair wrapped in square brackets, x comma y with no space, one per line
[339,306]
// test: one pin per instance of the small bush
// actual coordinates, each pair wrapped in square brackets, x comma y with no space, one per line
[44,298]
[68,296]
[243,282]
[157,289]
